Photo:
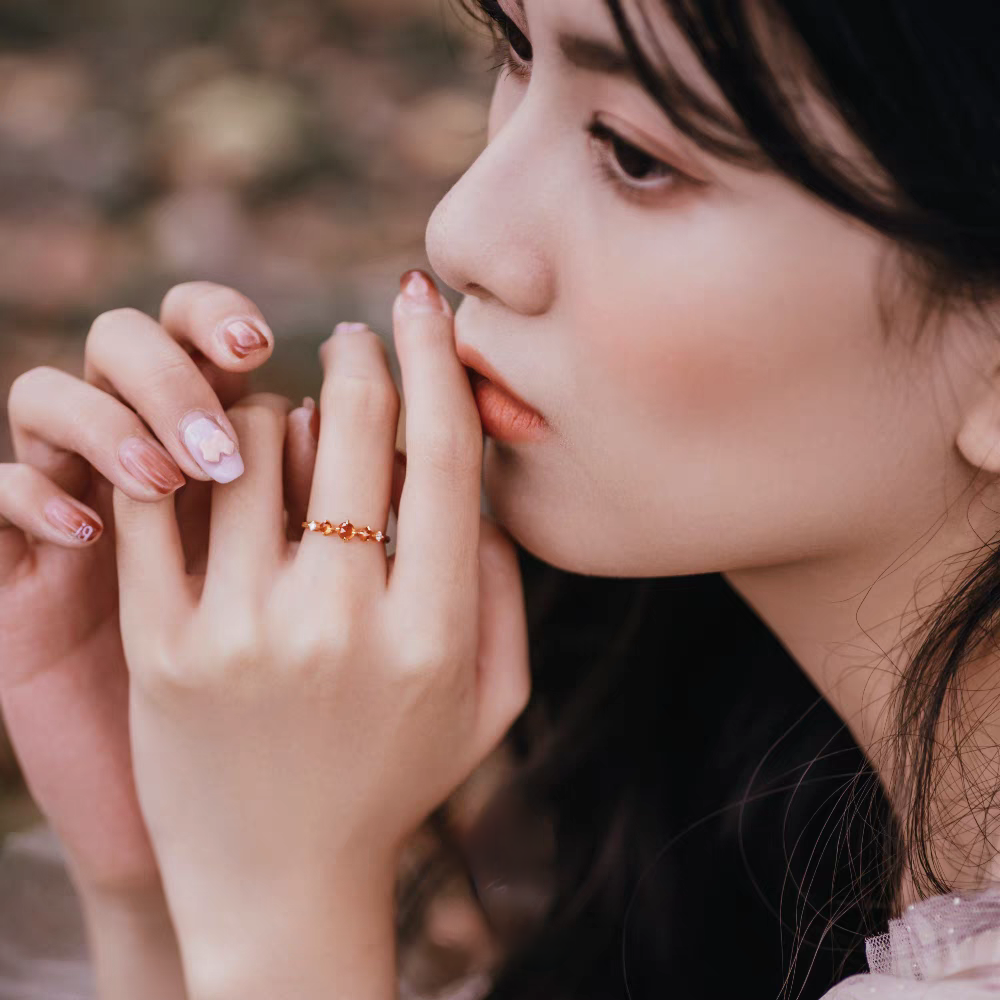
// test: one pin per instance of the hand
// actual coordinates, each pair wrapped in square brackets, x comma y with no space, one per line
[297,715]
[63,679]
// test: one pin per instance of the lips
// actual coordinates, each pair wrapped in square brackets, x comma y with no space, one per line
[479,369]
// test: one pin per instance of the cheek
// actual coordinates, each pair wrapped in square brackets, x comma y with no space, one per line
[740,330]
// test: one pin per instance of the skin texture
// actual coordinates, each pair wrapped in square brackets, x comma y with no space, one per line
[62,668]
[378,685]
[712,365]
[719,397]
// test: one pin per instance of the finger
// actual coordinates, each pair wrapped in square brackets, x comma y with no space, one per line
[152,582]
[504,677]
[440,503]
[247,536]
[31,502]
[223,324]
[56,420]
[153,374]
[300,458]
[352,480]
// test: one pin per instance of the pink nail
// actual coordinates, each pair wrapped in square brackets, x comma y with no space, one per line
[150,465]
[213,449]
[72,520]
[243,337]
[420,294]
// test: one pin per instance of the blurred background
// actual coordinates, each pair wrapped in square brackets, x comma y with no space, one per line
[293,149]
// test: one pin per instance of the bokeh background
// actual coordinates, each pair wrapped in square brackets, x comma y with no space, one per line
[293,149]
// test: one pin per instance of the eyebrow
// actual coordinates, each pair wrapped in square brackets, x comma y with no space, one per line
[591,55]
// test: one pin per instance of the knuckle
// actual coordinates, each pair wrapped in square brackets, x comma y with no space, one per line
[423,657]
[26,385]
[452,450]
[16,479]
[366,398]
[164,675]
[315,648]
[189,291]
[170,365]
[110,324]
[205,301]
[243,647]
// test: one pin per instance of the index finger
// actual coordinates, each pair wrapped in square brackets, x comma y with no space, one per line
[437,545]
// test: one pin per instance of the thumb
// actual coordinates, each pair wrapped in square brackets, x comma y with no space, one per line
[503,661]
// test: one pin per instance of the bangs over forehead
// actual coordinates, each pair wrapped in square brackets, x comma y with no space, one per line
[741,79]
[693,59]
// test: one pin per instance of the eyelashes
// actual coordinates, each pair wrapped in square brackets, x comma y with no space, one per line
[619,162]
[507,38]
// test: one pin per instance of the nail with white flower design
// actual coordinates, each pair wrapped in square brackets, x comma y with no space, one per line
[211,447]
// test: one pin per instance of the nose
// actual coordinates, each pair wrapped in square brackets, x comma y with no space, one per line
[494,234]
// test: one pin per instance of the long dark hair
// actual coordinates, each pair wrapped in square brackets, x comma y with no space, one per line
[714,830]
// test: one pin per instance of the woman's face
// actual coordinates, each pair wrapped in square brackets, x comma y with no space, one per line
[704,341]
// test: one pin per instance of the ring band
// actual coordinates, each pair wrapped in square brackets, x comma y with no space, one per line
[346,531]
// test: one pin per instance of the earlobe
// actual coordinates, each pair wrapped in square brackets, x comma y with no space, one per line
[979,436]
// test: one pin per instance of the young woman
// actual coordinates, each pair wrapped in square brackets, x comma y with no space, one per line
[728,275]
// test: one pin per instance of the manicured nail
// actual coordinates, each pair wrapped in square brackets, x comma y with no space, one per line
[213,449]
[420,294]
[350,327]
[243,337]
[72,520]
[150,465]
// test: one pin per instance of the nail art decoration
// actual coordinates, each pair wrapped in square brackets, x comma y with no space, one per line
[213,449]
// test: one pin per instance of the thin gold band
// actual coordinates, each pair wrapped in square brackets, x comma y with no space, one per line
[346,531]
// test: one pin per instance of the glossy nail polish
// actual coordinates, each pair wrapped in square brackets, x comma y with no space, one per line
[243,337]
[212,448]
[150,465]
[72,520]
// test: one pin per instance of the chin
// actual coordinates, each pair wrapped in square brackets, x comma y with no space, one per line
[529,503]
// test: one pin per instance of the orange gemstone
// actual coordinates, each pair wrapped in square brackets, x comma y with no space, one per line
[328,529]
[346,531]
[364,534]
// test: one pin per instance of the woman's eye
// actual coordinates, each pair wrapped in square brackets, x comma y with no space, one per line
[632,167]
[512,40]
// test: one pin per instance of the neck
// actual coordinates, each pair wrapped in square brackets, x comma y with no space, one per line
[850,621]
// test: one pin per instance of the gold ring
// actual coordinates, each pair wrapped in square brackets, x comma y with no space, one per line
[346,531]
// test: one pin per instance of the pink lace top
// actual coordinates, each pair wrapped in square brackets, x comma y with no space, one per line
[944,948]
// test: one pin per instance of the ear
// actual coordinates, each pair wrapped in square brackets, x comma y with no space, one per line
[979,436]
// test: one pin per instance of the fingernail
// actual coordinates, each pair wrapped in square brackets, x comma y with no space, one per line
[350,327]
[243,337]
[72,520]
[150,465]
[309,403]
[419,293]
[212,448]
